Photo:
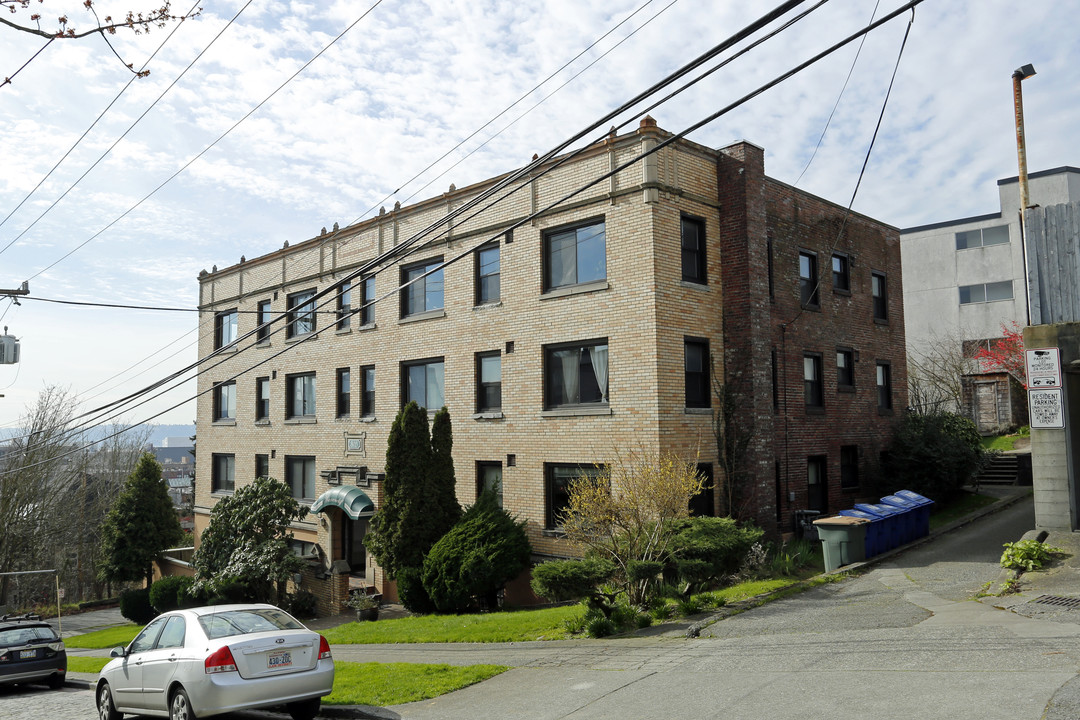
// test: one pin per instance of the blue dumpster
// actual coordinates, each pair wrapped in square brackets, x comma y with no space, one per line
[893,528]
[909,517]
[923,510]
[875,531]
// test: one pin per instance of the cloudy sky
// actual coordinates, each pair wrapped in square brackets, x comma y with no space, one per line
[231,146]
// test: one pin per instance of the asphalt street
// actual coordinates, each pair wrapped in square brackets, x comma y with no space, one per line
[904,637]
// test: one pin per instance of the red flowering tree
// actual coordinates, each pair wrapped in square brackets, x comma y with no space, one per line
[1005,354]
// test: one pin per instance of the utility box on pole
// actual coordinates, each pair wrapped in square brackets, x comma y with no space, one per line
[9,349]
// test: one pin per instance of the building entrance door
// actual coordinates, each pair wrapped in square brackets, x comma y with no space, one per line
[355,552]
[986,407]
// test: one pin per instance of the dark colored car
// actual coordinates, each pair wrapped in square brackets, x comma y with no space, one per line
[31,651]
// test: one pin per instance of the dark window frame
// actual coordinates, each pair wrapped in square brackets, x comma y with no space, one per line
[262,398]
[367,292]
[845,377]
[222,472]
[841,277]
[306,490]
[225,401]
[883,383]
[879,294]
[703,504]
[291,411]
[550,369]
[425,286]
[564,231]
[343,392]
[698,393]
[262,462]
[301,313]
[220,336]
[263,312]
[557,489]
[367,395]
[481,466]
[488,393]
[488,283]
[344,306]
[693,254]
[813,387]
[809,292]
[406,366]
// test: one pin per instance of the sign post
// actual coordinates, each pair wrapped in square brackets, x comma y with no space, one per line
[1046,404]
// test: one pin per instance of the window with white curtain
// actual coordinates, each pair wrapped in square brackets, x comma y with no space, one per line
[576,374]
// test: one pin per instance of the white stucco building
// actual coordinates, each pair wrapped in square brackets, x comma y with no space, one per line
[965,278]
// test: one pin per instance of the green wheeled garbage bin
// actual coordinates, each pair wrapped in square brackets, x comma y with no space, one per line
[843,540]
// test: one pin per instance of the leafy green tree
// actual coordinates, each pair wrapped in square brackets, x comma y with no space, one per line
[473,561]
[141,525]
[935,455]
[247,542]
[419,505]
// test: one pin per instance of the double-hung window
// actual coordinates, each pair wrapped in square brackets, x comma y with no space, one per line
[489,478]
[845,369]
[223,472]
[813,390]
[557,480]
[576,374]
[262,398]
[225,401]
[300,396]
[696,367]
[575,256]
[422,382]
[423,291]
[693,250]
[344,395]
[488,382]
[879,293]
[262,465]
[487,274]
[262,320]
[367,391]
[841,274]
[301,309]
[367,314]
[300,476]
[344,307]
[808,279]
[884,386]
[225,328]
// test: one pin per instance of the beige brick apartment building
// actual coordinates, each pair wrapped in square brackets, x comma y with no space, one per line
[583,331]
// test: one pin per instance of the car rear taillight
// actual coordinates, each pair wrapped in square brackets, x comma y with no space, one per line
[324,649]
[220,661]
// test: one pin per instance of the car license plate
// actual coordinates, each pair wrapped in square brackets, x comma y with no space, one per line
[278,660]
[27,654]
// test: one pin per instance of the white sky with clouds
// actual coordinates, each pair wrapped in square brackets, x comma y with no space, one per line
[405,85]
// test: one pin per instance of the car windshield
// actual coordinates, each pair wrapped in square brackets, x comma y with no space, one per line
[25,635]
[240,622]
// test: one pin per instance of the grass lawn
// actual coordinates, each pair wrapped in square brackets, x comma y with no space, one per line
[515,626]
[104,639]
[372,683]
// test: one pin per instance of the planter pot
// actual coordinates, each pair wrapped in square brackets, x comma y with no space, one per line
[367,614]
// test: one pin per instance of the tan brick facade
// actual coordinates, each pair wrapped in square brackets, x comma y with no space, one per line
[641,307]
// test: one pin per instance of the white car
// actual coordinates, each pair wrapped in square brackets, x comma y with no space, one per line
[199,662]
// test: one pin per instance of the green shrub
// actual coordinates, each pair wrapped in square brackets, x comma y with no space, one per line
[690,606]
[788,558]
[643,620]
[934,455]
[135,606]
[600,626]
[1026,555]
[706,549]
[471,563]
[559,580]
[171,592]
[301,604]
[411,592]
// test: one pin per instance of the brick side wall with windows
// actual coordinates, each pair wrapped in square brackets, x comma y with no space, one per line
[560,306]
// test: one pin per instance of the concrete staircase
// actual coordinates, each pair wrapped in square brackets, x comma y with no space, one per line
[1002,470]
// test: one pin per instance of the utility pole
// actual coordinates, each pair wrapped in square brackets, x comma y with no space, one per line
[24,289]
[1021,74]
